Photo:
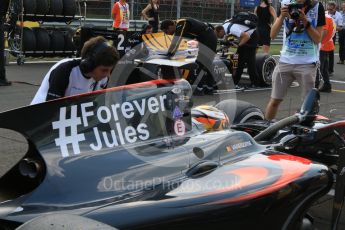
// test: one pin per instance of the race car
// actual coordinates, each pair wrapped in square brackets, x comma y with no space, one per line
[139,157]
[144,55]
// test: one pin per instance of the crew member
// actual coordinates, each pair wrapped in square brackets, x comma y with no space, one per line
[246,50]
[75,76]
[204,34]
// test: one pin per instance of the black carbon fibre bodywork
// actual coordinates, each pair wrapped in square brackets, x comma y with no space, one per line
[130,157]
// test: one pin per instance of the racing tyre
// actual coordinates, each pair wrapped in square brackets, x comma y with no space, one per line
[56,7]
[69,7]
[265,65]
[42,7]
[29,6]
[63,221]
[68,36]
[57,41]
[29,40]
[240,111]
[42,39]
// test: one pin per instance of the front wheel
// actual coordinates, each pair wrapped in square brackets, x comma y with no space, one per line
[240,111]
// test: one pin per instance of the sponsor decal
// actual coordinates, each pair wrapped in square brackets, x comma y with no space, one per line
[219,70]
[238,146]
[179,128]
[69,138]
[177,114]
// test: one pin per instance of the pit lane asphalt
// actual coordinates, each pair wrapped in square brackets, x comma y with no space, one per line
[20,94]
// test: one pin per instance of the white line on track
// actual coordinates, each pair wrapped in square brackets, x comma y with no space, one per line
[335,81]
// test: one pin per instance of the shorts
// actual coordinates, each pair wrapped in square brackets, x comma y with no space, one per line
[284,74]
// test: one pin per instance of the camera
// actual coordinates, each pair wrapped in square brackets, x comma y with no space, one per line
[294,9]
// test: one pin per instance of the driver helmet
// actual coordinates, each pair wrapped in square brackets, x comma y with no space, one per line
[210,117]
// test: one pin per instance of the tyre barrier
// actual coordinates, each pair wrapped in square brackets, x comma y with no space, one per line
[50,7]
[42,39]
[46,42]
[56,7]
[29,6]
[69,42]
[29,39]
[57,40]
[42,7]
[69,7]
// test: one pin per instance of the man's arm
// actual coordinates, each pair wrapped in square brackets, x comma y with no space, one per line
[58,82]
[279,22]
[339,22]
[273,13]
[314,33]
[244,38]
[115,10]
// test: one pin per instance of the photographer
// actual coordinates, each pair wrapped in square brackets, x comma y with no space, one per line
[303,21]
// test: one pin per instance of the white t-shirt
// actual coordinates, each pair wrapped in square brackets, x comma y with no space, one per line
[298,47]
[237,29]
[66,79]
[337,18]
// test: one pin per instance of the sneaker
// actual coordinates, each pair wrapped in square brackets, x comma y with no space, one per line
[294,84]
[341,62]
[5,83]
[326,89]
[237,87]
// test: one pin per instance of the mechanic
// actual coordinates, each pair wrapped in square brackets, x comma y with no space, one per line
[3,9]
[338,19]
[300,49]
[75,76]
[246,50]
[168,27]
[146,29]
[220,32]
[327,46]
[204,34]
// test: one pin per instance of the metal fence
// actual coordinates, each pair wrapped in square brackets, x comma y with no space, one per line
[210,10]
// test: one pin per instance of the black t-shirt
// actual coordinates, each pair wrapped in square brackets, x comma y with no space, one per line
[190,28]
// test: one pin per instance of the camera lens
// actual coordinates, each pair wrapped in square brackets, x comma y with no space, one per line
[294,13]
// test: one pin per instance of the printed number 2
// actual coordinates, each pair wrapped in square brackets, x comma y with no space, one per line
[121,39]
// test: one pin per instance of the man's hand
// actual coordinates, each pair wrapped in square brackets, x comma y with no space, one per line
[303,17]
[284,11]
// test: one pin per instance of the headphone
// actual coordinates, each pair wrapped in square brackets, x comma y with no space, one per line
[88,63]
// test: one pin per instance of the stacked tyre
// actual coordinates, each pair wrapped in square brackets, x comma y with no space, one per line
[39,41]
[50,7]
